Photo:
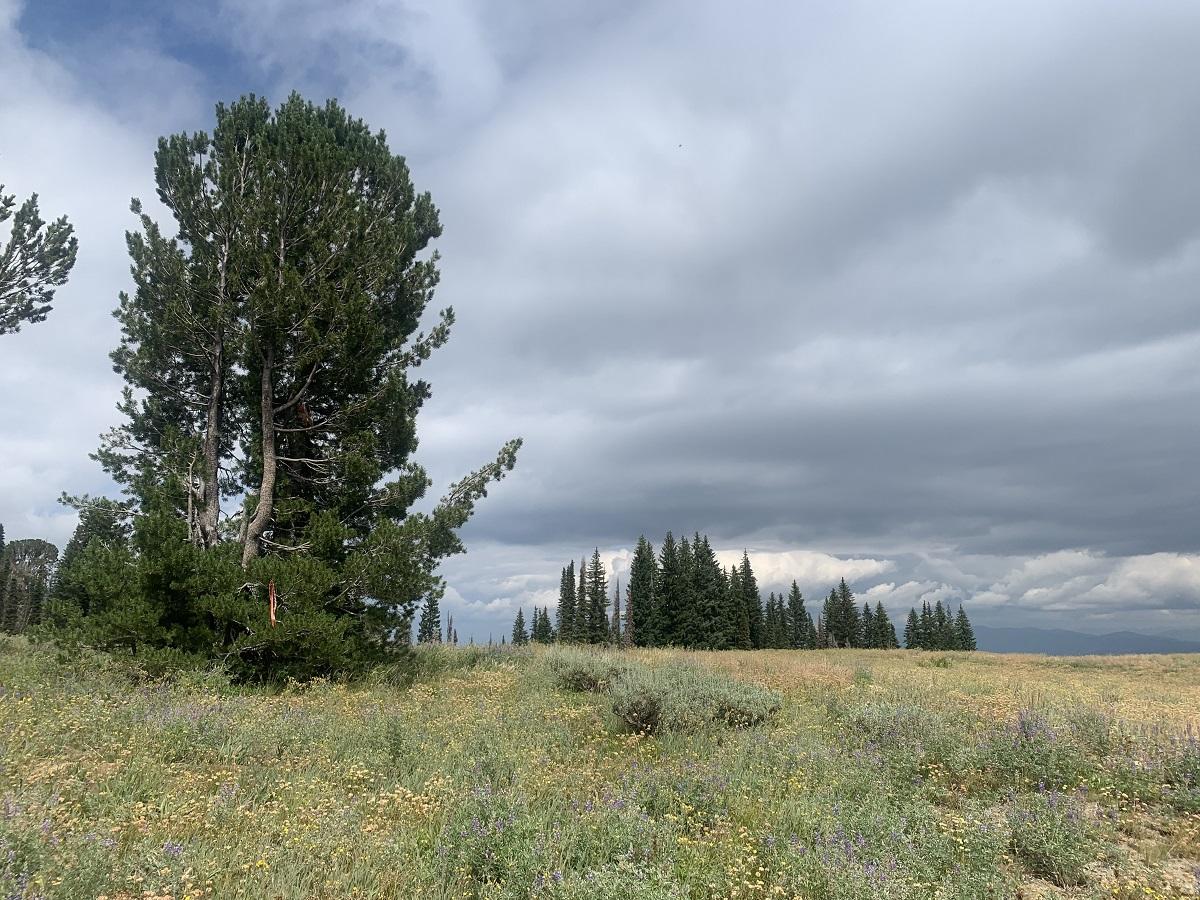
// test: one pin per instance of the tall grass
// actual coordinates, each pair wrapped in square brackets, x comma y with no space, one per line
[511,774]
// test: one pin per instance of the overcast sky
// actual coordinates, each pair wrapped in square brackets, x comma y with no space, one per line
[906,293]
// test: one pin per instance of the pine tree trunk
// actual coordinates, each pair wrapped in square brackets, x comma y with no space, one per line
[265,507]
[209,493]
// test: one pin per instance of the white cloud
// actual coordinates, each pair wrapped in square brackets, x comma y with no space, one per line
[1089,581]
[807,567]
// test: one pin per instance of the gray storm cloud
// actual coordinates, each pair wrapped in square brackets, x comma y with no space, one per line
[908,291]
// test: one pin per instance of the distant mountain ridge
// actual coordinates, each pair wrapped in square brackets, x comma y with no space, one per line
[1060,642]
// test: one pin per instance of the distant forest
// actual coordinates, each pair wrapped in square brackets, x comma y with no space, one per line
[683,597]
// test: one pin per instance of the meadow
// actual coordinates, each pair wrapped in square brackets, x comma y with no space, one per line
[559,773]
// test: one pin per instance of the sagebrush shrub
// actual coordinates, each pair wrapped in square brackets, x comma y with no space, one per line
[683,698]
[577,669]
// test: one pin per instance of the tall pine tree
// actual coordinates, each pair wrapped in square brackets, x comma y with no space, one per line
[643,574]
[566,604]
[752,600]
[597,599]
[429,628]
[912,631]
[963,631]
[670,594]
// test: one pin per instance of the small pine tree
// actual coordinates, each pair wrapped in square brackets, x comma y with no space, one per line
[963,630]
[615,625]
[831,620]
[870,636]
[912,631]
[627,628]
[943,629]
[581,625]
[770,623]
[429,628]
[885,631]
[851,621]
[519,634]
[566,603]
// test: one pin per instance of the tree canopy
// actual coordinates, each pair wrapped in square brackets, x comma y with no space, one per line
[36,260]
[269,348]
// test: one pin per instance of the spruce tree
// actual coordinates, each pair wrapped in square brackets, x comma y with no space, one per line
[798,616]
[429,629]
[519,634]
[615,625]
[869,636]
[566,604]
[925,630]
[597,600]
[670,594]
[752,600]
[27,566]
[912,630]
[102,527]
[832,619]
[738,612]
[885,631]
[943,629]
[849,618]
[627,625]
[770,622]
[641,595]
[963,630]
[582,624]
[708,620]
[686,624]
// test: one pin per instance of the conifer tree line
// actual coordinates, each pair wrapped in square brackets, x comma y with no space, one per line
[682,596]
[26,571]
[935,628]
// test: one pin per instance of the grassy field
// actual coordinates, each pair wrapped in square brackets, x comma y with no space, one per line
[484,774]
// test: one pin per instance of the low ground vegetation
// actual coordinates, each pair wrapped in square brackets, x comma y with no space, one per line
[474,772]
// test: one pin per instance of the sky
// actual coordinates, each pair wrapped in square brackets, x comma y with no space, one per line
[903,293]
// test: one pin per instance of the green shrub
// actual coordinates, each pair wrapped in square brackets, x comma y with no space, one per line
[938,662]
[429,662]
[577,669]
[1032,750]
[682,698]
[1051,835]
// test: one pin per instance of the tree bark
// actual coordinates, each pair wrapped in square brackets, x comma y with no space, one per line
[265,507]
[209,493]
